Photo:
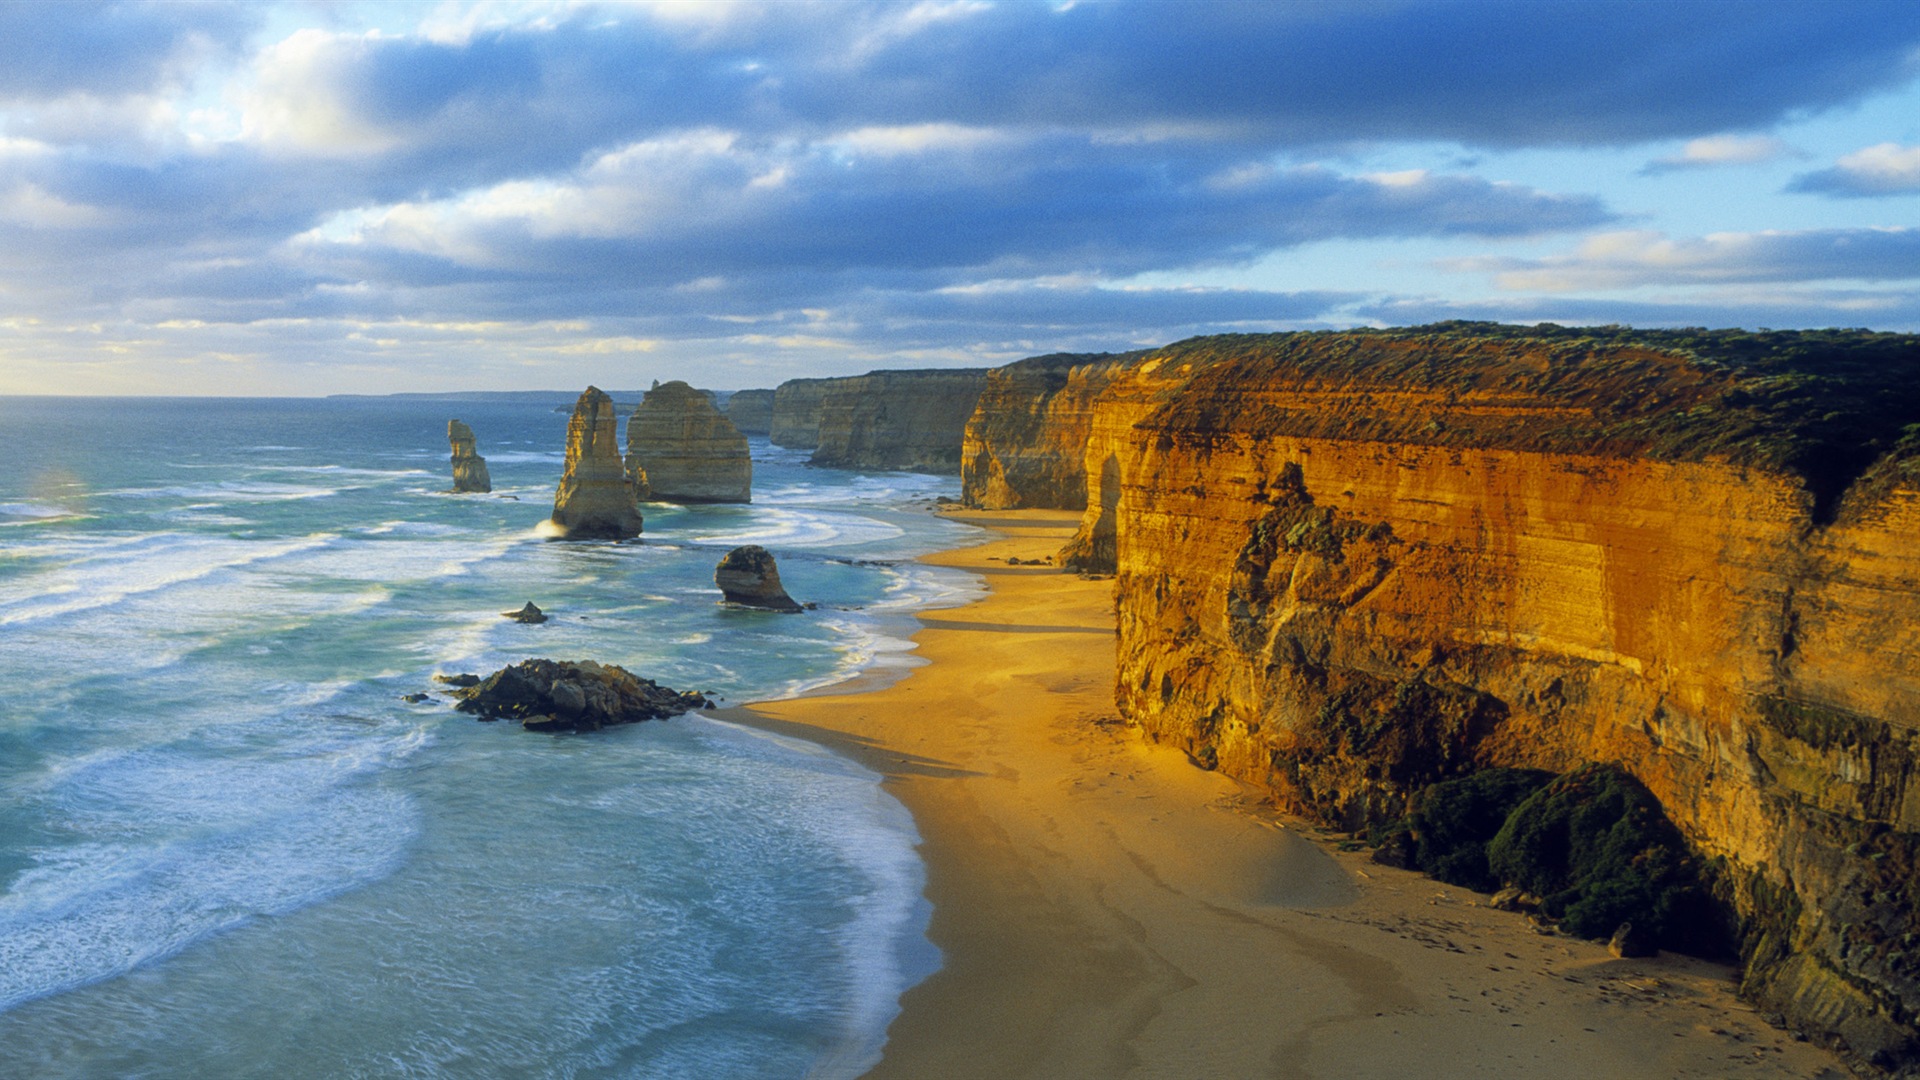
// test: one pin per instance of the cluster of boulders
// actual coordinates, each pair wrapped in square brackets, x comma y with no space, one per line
[564,695]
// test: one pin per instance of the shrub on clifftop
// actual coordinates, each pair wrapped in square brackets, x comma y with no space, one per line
[1597,849]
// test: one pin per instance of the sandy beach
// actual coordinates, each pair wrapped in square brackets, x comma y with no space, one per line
[1105,908]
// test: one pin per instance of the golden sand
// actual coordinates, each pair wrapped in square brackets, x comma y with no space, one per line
[1107,909]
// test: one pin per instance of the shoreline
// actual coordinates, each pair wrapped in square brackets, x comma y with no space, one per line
[1105,908]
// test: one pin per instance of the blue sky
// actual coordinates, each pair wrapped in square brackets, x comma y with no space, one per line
[310,198]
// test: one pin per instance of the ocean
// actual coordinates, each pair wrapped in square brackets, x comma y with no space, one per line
[228,848]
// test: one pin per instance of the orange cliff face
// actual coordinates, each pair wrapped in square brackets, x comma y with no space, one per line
[1350,565]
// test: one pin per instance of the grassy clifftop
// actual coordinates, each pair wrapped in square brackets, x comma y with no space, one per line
[1829,406]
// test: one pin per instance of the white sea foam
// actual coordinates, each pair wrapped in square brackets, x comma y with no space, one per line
[805,529]
[163,561]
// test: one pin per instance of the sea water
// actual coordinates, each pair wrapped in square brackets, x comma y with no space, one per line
[228,848]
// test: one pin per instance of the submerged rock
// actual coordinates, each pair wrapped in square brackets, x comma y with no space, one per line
[687,450]
[563,695]
[597,499]
[529,614]
[469,468]
[749,577]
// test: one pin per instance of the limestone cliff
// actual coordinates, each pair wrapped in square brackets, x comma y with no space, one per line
[1026,443]
[795,423]
[596,499]
[751,411]
[1352,564]
[687,451]
[898,419]
[469,468]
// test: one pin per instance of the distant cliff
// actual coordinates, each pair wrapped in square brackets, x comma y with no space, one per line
[1352,564]
[795,423]
[751,411]
[881,420]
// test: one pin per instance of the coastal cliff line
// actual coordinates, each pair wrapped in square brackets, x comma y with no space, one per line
[912,420]
[1351,565]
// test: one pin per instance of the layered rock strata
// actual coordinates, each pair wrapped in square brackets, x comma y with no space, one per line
[751,411]
[1026,444]
[749,577]
[597,499]
[1350,565]
[469,468]
[686,449]
[913,420]
[795,423]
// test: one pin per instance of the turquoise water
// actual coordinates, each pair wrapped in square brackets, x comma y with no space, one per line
[228,848]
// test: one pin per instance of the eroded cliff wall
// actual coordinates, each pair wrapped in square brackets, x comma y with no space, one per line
[795,423]
[1026,443]
[1349,565]
[898,419]
[751,411]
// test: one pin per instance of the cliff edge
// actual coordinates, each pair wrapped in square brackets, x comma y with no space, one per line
[1350,565]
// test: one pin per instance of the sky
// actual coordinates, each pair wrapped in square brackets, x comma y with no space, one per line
[306,198]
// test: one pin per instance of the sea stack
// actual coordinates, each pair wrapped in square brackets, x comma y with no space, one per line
[748,577]
[688,450]
[469,468]
[596,500]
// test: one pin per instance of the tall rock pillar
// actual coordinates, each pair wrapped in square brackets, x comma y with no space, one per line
[469,468]
[596,499]
[688,450]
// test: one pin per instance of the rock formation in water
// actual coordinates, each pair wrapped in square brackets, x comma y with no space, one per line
[530,615]
[748,576]
[597,499]
[562,695]
[687,450]
[469,468]
[1350,565]
[795,423]
[751,411]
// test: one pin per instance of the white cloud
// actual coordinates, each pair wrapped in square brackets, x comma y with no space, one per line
[1713,151]
[1882,169]
[1631,259]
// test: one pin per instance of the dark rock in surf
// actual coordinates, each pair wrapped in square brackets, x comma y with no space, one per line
[748,577]
[529,614]
[564,695]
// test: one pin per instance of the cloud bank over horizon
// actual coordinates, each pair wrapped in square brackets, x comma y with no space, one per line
[288,199]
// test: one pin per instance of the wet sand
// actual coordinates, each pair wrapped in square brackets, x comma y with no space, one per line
[1107,909]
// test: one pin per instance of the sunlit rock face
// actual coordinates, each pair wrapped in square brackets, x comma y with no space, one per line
[1349,565]
[751,411]
[597,499]
[1026,443]
[469,468]
[687,451]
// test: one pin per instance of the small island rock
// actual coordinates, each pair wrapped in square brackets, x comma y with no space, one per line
[563,695]
[469,468]
[529,614]
[597,499]
[749,577]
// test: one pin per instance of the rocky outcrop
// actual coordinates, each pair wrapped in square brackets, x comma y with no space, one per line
[530,614]
[469,468]
[1350,565]
[597,499]
[751,411]
[796,413]
[747,576]
[562,695]
[687,451]
[913,420]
